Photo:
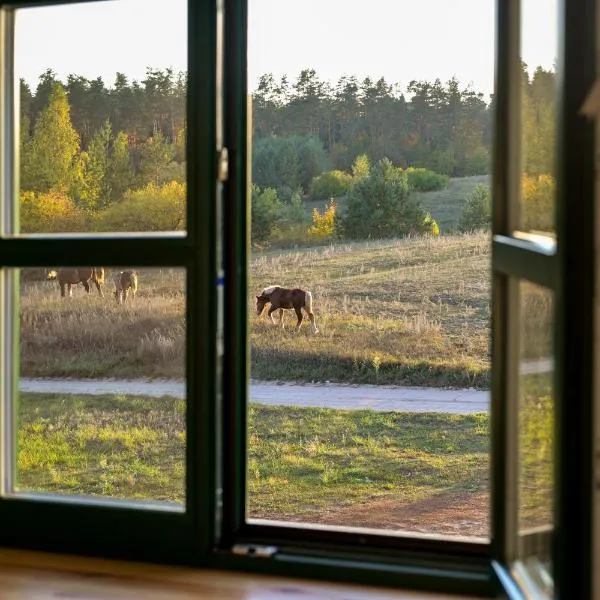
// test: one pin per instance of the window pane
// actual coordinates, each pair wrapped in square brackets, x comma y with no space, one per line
[371,190]
[536,434]
[102,116]
[539,51]
[101,395]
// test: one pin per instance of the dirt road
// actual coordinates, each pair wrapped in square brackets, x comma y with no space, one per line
[328,395]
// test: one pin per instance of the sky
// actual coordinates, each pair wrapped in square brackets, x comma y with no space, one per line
[400,40]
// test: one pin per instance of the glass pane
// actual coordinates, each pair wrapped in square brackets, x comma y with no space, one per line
[371,191]
[102,116]
[539,51]
[536,434]
[101,392]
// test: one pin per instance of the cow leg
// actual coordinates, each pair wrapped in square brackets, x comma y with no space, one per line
[125,293]
[70,290]
[62,290]
[299,315]
[281,317]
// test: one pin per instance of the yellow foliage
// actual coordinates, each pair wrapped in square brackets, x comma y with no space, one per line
[537,202]
[323,224]
[50,212]
[151,208]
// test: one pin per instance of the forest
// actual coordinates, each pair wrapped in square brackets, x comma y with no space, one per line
[112,157]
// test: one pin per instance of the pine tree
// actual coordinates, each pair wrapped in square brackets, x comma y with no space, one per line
[49,156]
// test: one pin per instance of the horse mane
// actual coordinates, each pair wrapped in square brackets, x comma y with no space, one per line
[269,290]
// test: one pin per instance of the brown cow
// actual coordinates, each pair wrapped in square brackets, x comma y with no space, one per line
[125,281]
[280,298]
[69,276]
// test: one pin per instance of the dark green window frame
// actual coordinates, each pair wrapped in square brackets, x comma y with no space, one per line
[215,252]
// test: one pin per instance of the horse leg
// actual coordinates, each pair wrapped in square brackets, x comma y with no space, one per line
[99,288]
[70,290]
[86,285]
[62,289]
[271,311]
[281,317]
[125,292]
[313,323]
[300,317]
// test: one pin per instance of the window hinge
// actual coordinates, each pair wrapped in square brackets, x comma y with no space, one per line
[223,165]
[253,550]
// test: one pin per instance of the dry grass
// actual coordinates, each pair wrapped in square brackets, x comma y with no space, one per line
[90,336]
[413,312]
[410,311]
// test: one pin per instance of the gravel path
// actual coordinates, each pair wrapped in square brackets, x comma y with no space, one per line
[328,395]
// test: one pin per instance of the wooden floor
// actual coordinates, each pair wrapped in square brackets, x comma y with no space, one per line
[41,576]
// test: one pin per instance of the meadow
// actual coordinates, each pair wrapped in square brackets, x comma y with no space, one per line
[412,311]
[390,470]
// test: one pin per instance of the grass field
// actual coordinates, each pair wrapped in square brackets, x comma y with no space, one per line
[412,312]
[445,206]
[133,448]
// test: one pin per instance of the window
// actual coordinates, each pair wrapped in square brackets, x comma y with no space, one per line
[165,478]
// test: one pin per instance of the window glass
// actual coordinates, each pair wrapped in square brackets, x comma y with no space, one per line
[371,180]
[536,436]
[539,51]
[102,90]
[100,403]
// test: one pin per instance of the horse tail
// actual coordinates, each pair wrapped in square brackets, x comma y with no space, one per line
[308,301]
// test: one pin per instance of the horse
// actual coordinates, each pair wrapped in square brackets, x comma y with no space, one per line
[67,277]
[125,281]
[281,298]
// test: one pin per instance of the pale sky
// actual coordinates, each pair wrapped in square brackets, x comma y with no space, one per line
[400,40]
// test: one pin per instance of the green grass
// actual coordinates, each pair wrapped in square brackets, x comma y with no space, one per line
[111,446]
[133,448]
[446,205]
[303,462]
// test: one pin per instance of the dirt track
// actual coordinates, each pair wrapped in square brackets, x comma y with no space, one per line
[328,395]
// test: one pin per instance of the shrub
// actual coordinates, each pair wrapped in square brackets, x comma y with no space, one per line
[424,180]
[476,213]
[265,213]
[430,225]
[537,202]
[379,205]
[331,184]
[50,212]
[151,208]
[324,224]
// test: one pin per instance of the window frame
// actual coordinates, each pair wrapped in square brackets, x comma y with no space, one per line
[90,527]
[216,406]
[569,272]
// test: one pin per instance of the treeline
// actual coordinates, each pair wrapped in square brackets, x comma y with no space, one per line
[87,148]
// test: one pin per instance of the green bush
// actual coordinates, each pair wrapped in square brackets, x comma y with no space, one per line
[424,180]
[331,184]
[266,209]
[476,213]
[379,206]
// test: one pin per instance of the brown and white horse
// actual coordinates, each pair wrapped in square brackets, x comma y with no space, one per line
[125,281]
[68,277]
[282,298]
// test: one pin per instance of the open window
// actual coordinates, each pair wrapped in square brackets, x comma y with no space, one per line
[202,188]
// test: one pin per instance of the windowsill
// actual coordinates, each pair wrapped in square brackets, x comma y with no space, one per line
[25,574]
